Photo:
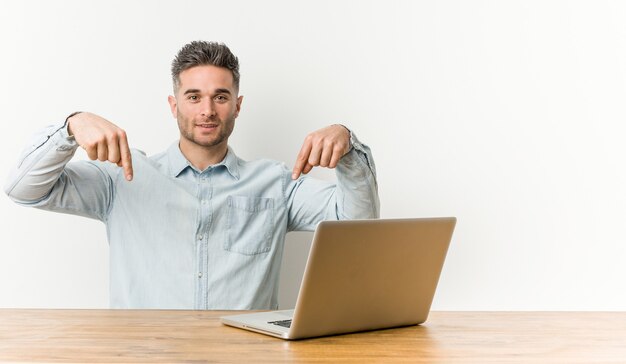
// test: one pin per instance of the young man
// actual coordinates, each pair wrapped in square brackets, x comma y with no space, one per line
[194,227]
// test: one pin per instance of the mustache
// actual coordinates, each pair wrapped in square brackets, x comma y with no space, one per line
[212,119]
[208,120]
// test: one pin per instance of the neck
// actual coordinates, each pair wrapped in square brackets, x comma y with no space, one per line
[202,157]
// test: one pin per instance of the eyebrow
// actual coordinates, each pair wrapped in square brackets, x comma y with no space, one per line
[222,91]
[192,91]
[217,91]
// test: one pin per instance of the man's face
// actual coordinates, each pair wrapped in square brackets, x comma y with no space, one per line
[206,106]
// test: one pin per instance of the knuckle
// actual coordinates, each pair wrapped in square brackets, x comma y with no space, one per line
[111,137]
[315,138]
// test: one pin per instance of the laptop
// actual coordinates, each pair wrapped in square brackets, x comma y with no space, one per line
[361,275]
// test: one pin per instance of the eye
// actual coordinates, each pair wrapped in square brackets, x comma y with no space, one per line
[221,98]
[193,97]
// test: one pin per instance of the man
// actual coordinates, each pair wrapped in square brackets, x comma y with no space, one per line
[194,227]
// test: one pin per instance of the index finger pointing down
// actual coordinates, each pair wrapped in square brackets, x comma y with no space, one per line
[126,159]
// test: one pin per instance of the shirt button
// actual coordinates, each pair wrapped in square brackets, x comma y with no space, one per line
[200,237]
[200,275]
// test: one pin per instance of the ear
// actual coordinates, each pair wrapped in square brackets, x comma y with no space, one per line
[172,101]
[238,105]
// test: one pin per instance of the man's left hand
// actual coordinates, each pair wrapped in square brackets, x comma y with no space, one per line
[322,148]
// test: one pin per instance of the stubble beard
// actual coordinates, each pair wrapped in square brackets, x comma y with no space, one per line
[187,131]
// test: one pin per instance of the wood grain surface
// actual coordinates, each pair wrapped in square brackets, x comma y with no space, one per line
[159,336]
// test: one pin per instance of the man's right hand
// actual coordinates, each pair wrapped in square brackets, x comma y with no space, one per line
[102,140]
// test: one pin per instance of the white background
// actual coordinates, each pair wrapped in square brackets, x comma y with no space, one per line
[506,114]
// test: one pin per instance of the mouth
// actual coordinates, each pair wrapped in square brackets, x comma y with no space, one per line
[207,126]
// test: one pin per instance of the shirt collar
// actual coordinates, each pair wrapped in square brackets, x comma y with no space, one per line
[178,162]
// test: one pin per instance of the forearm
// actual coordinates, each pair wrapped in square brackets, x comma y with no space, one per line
[40,165]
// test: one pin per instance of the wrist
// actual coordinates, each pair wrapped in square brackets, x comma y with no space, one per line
[67,122]
[349,137]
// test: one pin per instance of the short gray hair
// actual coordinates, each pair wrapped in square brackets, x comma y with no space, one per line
[199,53]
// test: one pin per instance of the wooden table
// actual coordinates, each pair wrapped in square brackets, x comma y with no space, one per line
[121,336]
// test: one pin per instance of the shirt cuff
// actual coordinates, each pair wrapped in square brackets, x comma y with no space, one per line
[63,140]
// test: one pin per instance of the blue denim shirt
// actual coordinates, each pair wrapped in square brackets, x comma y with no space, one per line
[182,238]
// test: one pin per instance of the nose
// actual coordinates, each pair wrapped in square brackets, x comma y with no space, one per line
[208,108]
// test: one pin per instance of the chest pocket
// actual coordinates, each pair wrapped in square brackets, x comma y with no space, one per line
[250,225]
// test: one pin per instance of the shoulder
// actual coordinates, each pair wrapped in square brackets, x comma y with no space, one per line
[158,158]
